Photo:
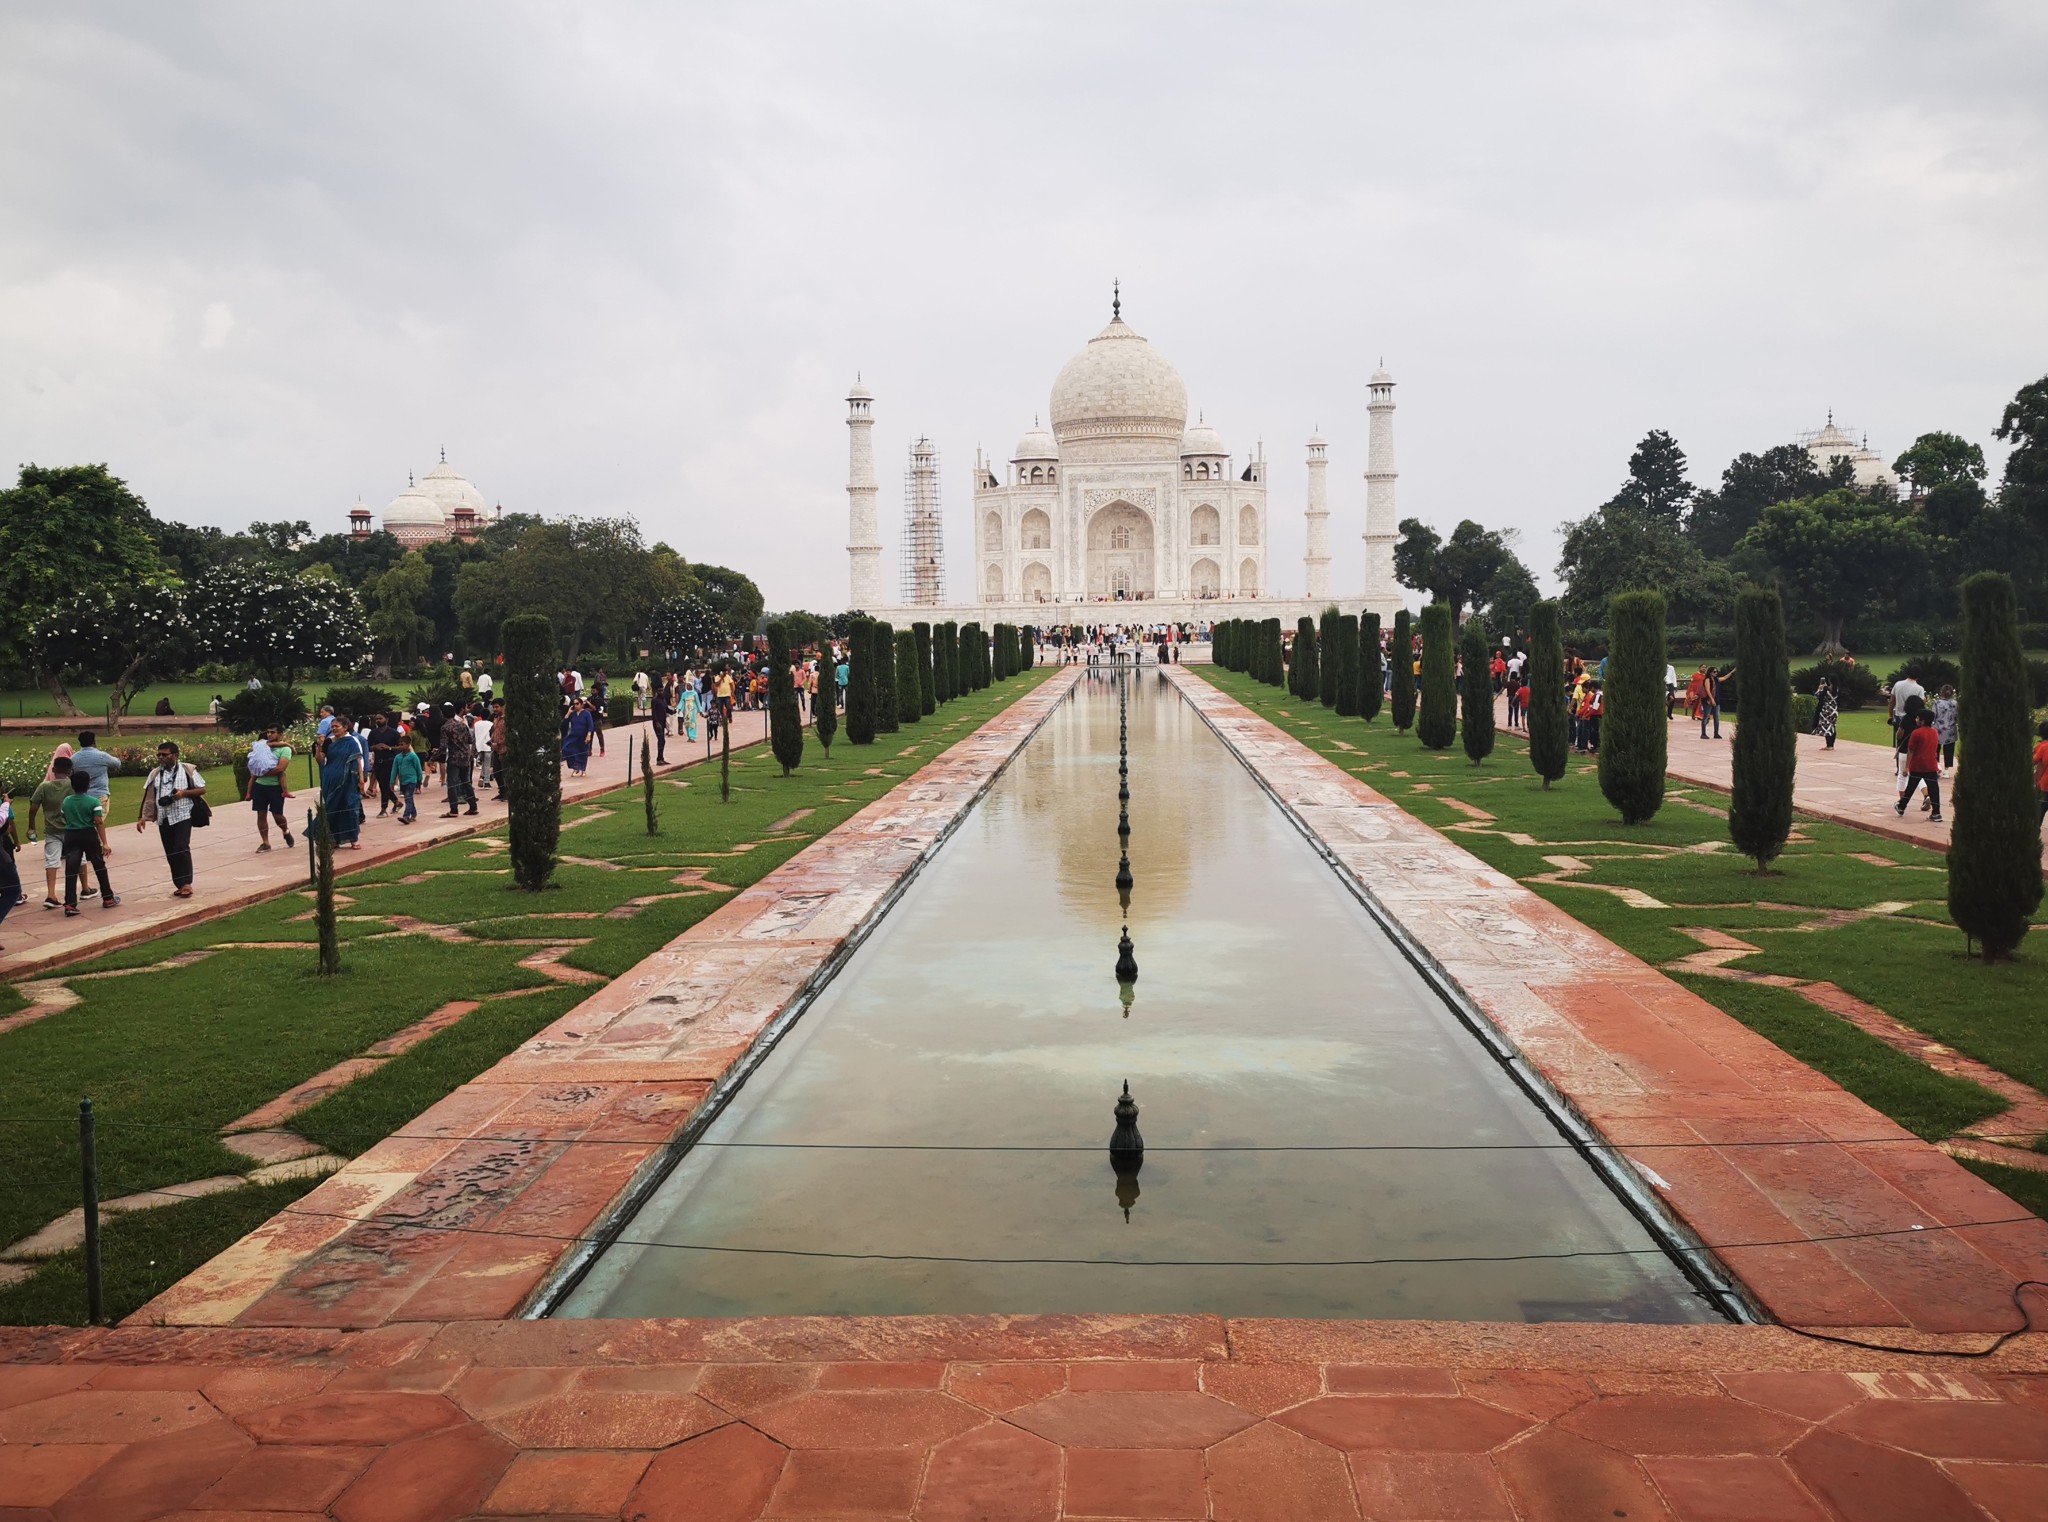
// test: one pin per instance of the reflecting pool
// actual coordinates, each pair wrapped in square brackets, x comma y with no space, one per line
[1323,1137]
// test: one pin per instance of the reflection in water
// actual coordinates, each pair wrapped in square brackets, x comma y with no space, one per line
[1126,1151]
[1314,1108]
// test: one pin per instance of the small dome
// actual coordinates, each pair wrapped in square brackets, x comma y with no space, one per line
[448,490]
[859,393]
[1202,440]
[413,507]
[1119,385]
[1380,377]
[1317,441]
[1036,445]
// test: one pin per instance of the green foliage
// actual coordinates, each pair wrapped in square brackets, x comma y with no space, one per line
[1344,655]
[359,700]
[805,629]
[1634,730]
[1855,686]
[1275,654]
[888,687]
[1839,552]
[785,718]
[647,785]
[1473,568]
[909,691]
[1751,483]
[825,702]
[683,625]
[1994,856]
[251,710]
[860,683]
[1331,661]
[1549,729]
[329,962]
[1620,549]
[1766,741]
[1476,719]
[945,662]
[1029,655]
[1401,696]
[1303,679]
[927,679]
[1436,723]
[1371,664]
[1933,672]
[64,532]
[2024,425]
[398,601]
[533,747]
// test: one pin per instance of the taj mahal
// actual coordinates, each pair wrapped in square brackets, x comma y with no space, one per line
[1120,512]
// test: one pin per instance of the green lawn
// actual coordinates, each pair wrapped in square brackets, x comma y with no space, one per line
[186,698]
[1821,914]
[170,1054]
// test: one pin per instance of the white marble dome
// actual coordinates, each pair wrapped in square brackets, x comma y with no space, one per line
[1202,440]
[1119,387]
[1036,445]
[448,490]
[414,508]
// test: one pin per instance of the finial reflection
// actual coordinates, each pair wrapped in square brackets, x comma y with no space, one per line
[1126,1151]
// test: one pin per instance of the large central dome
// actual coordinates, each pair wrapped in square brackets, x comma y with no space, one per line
[1119,388]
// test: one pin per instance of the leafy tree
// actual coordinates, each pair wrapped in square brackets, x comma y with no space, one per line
[1401,693]
[732,595]
[1751,483]
[1634,730]
[1994,853]
[927,679]
[1476,726]
[1549,732]
[533,747]
[684,624]
[396,622]
[785,719]
[1307,678]
[1344,656]
[1460,571]
[66,532]
[2024,425]
[355,561]
[1619,549]
[1939,459]
[124,636]
[1436,724]
[1371,667]
[274,620]
[1766,740]
[888,687]
[860,683]
[1838,552]
[1509,597]
[909,690]
[825,702]
[805,628]
[1657,486]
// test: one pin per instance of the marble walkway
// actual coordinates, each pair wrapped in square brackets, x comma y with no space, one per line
[230,873]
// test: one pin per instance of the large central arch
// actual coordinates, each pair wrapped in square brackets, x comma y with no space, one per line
[1120,552]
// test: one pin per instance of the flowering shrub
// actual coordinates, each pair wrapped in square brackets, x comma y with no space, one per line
[20,774]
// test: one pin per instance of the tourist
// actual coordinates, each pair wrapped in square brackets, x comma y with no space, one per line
[1945,726]
[85,839]
[659,722]
[840,672]
[10,875]
[95,764]
[466,681]
[1826,710]
[693,705]
[1908,697]
[498,745]
[48,800]
[324,726]
[483,685]
[458,761]
[1670,691]
[408,772]
[576,738]
[341,785]
[163,708]
[384,741]
[480,727]
[2041,769]
[1923,764]
[1710,701]
[213,708]
[1518,704]
[1594,705]
[168,795]
[268,759]
[723,689]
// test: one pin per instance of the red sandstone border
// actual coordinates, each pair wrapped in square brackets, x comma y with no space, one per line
[1741,1141]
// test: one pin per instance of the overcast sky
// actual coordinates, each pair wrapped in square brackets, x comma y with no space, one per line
[262,259]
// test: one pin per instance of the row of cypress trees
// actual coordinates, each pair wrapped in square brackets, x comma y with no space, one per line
[898,676]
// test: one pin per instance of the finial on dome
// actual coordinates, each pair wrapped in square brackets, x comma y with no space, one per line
[444,454]
[1831,417]
[1116,301]
[409,482]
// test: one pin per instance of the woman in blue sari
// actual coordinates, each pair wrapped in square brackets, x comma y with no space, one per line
[341,784]
[576,739]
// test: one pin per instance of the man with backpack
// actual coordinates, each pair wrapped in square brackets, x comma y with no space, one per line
[174,798]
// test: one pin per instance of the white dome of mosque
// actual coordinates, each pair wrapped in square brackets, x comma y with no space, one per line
[414,508]
[1202,440]
[1380,377]
[1119,386]
[449,490]
[1036,445]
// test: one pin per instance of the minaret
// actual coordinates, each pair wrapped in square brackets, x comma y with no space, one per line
[863,527]
[1315,564]
[1382,594]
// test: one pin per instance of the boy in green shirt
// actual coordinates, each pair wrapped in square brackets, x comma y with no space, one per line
[48,800]
[85,839]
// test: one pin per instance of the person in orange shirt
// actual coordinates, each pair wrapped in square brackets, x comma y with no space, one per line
[2041,770]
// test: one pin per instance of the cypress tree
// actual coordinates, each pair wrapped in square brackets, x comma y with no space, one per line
[1005,645]
[647,784]
[888,689]
[1308,679]
[1436,721]
[927,682]
[1765,754]
[1238,661]
[1029,655]
[329,962]
[970,678]
[1634,731]
[1010,666]
[1276,655]
[1371,667]
[1332,659]
[825,704]
[1994,853]
[1476,719]
[533,747]
[860,683]
[1401,651]
[1344,651]
[1549,729]
[942,663]
[909,691]
[1219,643]
[785,718]
[963,683]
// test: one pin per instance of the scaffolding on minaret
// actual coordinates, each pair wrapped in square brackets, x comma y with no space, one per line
[924,541]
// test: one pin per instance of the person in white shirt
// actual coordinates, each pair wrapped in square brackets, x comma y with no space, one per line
[168,794]
[480,726]
[483,685]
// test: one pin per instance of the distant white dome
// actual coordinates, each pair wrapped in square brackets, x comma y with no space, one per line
[415,509]
[1120,387]
[1381,378]
[859,393]
[1317,441]
[449,490]
[1036,445]
[1202,440]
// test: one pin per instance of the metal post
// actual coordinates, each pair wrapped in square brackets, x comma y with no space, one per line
[90,1189]
[312,855]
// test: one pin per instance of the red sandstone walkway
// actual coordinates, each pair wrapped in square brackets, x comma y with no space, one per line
[230,873]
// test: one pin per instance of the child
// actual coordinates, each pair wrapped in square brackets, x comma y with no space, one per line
[2041,770]
[1923,764]
[1945,726]
[408,772]
[85,839]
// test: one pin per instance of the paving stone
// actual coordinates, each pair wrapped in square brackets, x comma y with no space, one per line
[881,1376]
[21,1383]
[1415,1424]
[743,1389]
[1001,1387]
[867,1419]
[1271,1474]
[1136,1482]
[1689,1424]
[1553,1476]
[1859,1479]
[996,1473]
[1813,1395]
[590,1483]
[1429,1487]
[159,1474]
[286,1478]
[1137,1374]
[104,1416]
[1732,1490]
[2007,1492]
[443,1475]
[1262,1389]
[1134,1419]
[351,1416]
[1538,1393]
[847,1482]
[1367,1379]
[586,1417]
[726,1475]
[36,1474]
[1952,1429]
